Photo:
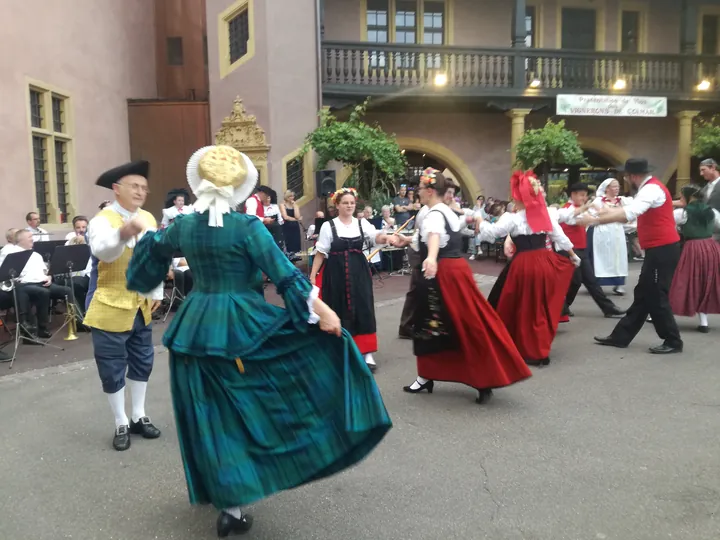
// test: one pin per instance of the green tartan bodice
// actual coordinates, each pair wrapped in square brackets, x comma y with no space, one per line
[226,314]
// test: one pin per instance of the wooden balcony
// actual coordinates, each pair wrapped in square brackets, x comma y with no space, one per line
[370,69]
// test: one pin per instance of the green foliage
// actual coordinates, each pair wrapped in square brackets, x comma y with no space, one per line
[706,138]
[550,145]
[373,155]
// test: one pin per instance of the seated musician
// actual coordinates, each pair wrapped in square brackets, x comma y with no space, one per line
[80,224]
[182,275]
[37,288]
[81,279]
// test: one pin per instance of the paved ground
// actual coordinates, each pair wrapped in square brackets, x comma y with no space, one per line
[602,444]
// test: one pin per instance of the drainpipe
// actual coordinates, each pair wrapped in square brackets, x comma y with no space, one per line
[319,32]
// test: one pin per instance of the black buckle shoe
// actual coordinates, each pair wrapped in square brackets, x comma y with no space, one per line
[703,329]
[228,525]
[665,349]
[121,440]
[610,342]
[145,428]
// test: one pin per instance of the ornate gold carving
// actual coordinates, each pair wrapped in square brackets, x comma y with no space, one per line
[241,131]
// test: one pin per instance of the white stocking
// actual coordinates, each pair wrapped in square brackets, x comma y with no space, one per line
[418,383]
[234,512]
[117,404]
[137,392]
[703,319]
[369,360]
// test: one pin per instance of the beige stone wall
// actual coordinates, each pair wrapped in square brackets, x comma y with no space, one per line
[98,52]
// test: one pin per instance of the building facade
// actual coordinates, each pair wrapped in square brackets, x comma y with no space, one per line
[457,81]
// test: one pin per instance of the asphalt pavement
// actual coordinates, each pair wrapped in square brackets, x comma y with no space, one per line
[601,444]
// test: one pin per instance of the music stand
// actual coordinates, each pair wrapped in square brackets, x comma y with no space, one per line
[319,223]
[65,261]
[11,268]
[46,249]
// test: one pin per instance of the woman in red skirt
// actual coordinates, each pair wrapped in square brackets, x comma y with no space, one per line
[696,284]
[457,336]
[531,297]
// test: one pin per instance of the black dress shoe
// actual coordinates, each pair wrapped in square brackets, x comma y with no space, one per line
[703,329]
[665,349]
[484,395]
[538,363]
[121,441]
[228,525]
[427,386]
[43,333]
[615,313]
[145,428]
[610,342]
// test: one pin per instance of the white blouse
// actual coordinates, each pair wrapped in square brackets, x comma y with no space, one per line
[434,223]
[680,216]
[325,237]
[515,224]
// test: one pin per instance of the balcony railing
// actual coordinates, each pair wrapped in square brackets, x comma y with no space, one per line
[389,68]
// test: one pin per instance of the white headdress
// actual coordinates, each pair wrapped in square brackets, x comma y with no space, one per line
[603,187]
[221,178]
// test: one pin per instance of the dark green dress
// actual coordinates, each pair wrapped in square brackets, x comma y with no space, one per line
[306,405]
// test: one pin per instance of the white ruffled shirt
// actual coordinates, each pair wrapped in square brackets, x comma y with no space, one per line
[434,223]
[169,214]
[105,243]
[325,237]
[515,224]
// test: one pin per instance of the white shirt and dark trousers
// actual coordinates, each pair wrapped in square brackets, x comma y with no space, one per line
[657,232]
[31,283]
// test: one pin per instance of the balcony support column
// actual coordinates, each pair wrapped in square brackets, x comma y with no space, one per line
[518,35]
[517,116]
[685,119]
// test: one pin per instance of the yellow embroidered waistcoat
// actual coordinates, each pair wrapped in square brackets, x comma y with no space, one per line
[113,308]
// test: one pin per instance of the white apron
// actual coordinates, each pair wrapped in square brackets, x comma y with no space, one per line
[609,247]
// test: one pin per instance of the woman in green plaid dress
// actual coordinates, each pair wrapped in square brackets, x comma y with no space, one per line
[264,399]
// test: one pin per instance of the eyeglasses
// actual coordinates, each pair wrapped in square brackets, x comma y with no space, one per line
[136,187]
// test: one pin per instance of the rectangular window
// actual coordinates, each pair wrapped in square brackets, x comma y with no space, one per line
[295,174]
[710,34]
[378,29]
[630,37]
[61,179]
[40,170]
[51,144]
[406,21]
[36,109]
[530,27]
[58,109]
[434,31]
[175,56]
[239,33]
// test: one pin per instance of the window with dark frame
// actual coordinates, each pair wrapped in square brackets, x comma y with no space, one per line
[58,110]
[295,174]
[709,34]
[175,54]
[630,28]
[530,18]
[239,34]
[40,167]
[36,109]
[434,30]
[61,178]
[406,31]
[378,29]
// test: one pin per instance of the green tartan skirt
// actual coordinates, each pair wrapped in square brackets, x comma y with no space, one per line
[305,413]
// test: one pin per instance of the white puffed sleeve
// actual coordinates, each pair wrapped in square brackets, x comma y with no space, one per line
[325,239]
[434,223]
[680,216]
[558,236]
[314,318]
[504,226]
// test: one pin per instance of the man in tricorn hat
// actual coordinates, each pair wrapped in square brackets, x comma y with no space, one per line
[657,232]
[121,319]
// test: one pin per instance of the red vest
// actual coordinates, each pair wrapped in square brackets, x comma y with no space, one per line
[260,212]
[576,233]
[656,227]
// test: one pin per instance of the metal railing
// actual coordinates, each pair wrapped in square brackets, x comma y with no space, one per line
[399,66]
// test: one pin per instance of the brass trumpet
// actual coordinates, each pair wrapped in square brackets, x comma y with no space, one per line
[71,319]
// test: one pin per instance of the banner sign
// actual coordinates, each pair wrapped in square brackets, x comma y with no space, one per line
[632,106]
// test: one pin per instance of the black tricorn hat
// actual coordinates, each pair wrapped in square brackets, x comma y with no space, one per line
[173,194]
[636,166]
[113,176]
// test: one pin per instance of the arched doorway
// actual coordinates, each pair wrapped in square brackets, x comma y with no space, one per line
[447,159]
[598,168]
[418,162]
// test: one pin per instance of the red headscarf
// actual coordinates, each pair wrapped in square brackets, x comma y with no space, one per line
[525,188]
